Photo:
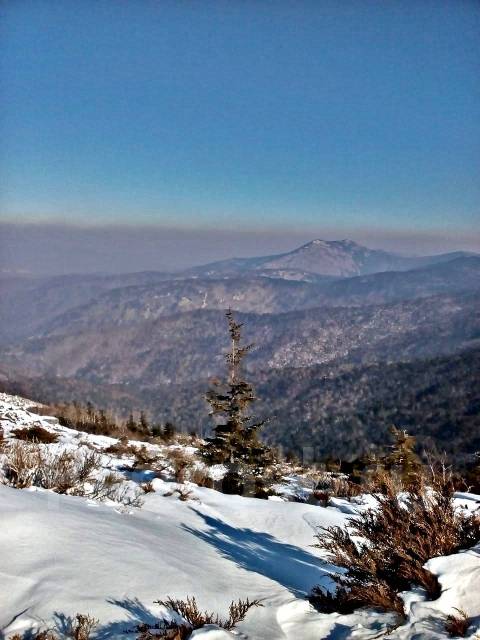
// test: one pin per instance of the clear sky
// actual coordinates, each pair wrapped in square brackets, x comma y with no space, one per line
[251,114]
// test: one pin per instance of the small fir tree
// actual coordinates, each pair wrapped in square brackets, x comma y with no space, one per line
[403,459]
[400,468]
[235,442]
[103,420]
[144,425]
[131,424]
[169,431]
[90,412]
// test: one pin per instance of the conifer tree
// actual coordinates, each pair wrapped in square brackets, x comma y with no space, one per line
[90,412]
[131,424]
[169,431]
[103,420]
[403,458]
[145,427]
[235,441]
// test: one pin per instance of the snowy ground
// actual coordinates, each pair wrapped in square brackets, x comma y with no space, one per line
[60,555]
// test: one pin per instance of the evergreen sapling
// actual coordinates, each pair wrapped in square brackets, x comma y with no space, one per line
[235,441]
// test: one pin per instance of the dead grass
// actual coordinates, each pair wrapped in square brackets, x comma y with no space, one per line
[35,433]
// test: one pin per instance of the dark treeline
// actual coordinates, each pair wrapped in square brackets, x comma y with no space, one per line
[331,412]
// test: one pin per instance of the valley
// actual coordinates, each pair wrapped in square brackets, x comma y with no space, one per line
[333,354]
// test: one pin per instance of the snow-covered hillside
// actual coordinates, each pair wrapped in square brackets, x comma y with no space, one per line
[62,554]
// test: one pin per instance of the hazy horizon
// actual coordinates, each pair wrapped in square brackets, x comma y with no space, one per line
[60,249]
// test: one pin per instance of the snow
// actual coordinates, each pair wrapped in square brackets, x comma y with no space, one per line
[210,632]
[62,554]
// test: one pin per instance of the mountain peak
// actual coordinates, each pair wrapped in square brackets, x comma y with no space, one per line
[319,257]
[320,243]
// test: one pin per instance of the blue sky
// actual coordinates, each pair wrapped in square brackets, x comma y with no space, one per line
[243,114]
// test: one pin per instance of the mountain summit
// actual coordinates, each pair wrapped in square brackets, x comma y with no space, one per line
[338,258]
[333,258]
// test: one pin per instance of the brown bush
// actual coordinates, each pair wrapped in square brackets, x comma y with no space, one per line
[66,472]
[194,619]
[184,494]
[396,540]
[181,462]
[144,459]
[35,433]
[39,635]
[80,628]
[200,477]
[336,485]
[26,464]
[21,464]
[147,487]
[457,625]
[120,448]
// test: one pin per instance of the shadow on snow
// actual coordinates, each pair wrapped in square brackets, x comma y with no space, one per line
[292,567]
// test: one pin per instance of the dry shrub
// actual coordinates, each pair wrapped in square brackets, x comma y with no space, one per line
[200,477]
[163,631]
[66,472]
[20,465]
[189,611]
[80,628]
[378,480]
[46,634]
[144,459]
[26,464]
[181,462]
[120,448]
[184,494]
[35,433]
[147,487]
[383,550]
[456,625]
[160,467]
[335,485]
[193,619]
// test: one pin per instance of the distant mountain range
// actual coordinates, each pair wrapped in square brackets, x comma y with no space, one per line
[38,306]
[181,347]
[340,258]
[335,305]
